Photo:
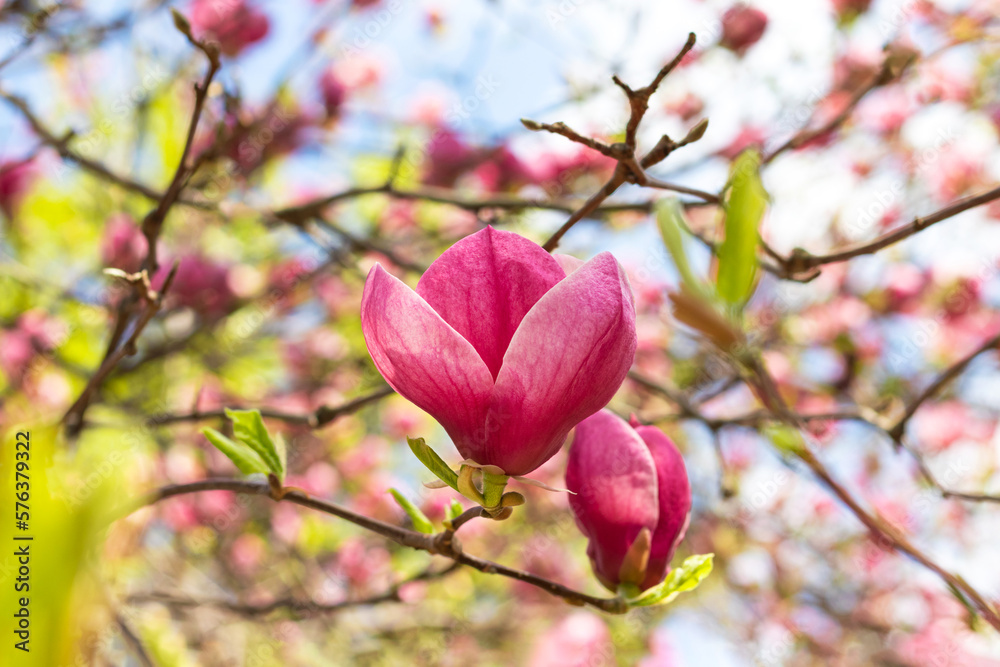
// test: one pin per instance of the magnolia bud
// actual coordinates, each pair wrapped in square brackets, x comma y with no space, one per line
[632,499]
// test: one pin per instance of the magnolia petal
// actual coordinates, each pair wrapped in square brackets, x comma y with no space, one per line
[423,358]
[614,476]
[565,362]
[485,284]
[674,499]
[569,263]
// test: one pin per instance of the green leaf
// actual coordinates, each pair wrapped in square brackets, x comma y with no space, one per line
[786,438]
[454,510]
[248,427]
[687,577]
[737,254]
[433,462]
[420,521]
[670,220]
[245,458]
[282,451]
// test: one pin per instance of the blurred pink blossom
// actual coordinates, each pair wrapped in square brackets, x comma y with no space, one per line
[742,27]
[16,178]
[246,553]
[746,138]
[202,285]
[939,425]
[233,24]
[123,246]
[579,640]
[687,107]
[333,92]
[448,156]
[956,173]
[504,171]
[885,109]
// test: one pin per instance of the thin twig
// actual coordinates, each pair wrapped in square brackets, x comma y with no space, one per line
[320,417]
[801,264]
[467,516]
[117,350]
[564,130]
[295,605]
[444,544]
[119,346]
[132,639]
[946,376]
[298,215]
[629,168]
[884,533]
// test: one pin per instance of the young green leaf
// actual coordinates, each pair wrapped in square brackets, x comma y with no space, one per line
[281,449]
[687,577]
[737,254]
[670,220]
[433,462]
[786,438]
[245,458]
[248,427]
[454,510]
[420,521]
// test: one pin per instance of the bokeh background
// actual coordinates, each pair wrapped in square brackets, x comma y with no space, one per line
[321,97]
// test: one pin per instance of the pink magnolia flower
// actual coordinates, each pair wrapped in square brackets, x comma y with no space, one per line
[15,179]
[333,91]
[123,246]
[501,346]
[232,24]
[202,285]
[627,480]
[504,171]
[557,173]
[687,107]
[747,137]
[448,157]
[579,640]
[742,27]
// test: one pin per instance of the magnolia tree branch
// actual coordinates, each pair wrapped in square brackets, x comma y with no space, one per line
[117,349]
[629,169]
[884,534]
[892,67]
[96,168]
[801,265]
[759,418]
[295,605]
[949,374]
[443,544]
[298,215]
[152,225]
[316,419]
